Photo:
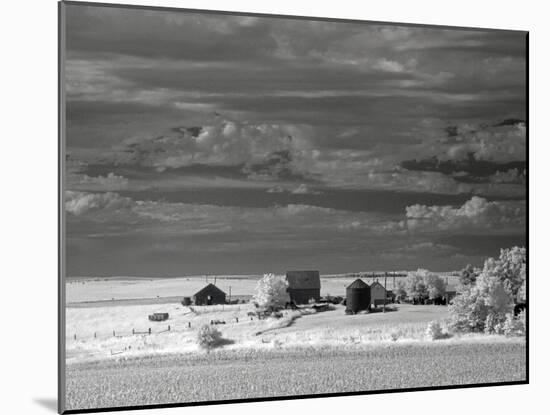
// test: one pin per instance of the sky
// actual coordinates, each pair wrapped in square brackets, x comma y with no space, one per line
[221,144]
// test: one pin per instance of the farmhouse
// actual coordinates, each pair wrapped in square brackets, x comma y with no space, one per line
[357,296]
[209,295]
[303,286]
[377,294]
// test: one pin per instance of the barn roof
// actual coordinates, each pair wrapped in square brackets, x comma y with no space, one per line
[301,280]
[209,289]
[376,283]
[358,284]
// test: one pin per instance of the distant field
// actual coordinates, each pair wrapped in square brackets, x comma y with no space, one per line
[229,375]
[80,290]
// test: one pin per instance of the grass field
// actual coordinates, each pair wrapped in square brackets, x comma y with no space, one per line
[225,375]
[94,327]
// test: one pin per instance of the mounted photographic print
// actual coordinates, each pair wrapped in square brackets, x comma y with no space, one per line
[259,207]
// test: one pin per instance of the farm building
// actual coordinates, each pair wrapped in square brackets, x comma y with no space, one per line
[303,286]
[357,296]
[209,295]
[377,294]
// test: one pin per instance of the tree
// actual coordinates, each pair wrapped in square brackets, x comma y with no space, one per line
[468,275]
[415,284]
[422,284]
[271,291]
[487,304]
[435,285]
[510,268]
[400,290]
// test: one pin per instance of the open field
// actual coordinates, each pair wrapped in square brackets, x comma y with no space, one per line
[231,375]
[90,290]
[94,327]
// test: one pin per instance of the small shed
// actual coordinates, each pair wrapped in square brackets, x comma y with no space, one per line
[209,295]
[303,286]
[377,294]
[357,296]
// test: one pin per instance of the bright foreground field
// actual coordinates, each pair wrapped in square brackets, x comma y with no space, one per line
[113,360]
[226,375]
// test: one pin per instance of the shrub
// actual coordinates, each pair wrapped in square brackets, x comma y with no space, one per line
[209,337]
[277,344]
[434,331]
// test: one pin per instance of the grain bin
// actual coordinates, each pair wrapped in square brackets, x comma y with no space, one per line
[357,296]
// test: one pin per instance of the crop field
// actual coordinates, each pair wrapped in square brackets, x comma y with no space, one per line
[225,375]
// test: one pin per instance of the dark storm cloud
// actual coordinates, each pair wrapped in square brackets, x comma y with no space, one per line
[93,112]
[154,34]
[474,168]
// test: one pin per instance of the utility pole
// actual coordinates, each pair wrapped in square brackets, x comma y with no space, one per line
[385,292]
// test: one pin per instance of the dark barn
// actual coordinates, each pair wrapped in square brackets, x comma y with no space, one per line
[303,286]
[209,295]
[357,296]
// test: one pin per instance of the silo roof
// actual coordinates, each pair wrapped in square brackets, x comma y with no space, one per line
[358,284]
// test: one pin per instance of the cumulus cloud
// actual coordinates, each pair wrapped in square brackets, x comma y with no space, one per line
[202,219]
[499,143]
[223,142]
[513,176]
[109,182]
[477,214]
[80,203]
[303,189]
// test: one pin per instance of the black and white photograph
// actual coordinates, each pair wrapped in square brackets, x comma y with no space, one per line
[261,207]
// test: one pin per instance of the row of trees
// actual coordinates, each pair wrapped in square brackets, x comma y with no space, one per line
[421,285]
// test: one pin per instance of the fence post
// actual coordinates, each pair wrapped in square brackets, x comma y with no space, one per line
[95,335]
[168,327]
[75,336]
[133,331]
[114,334]
[149,330]
[189,324]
